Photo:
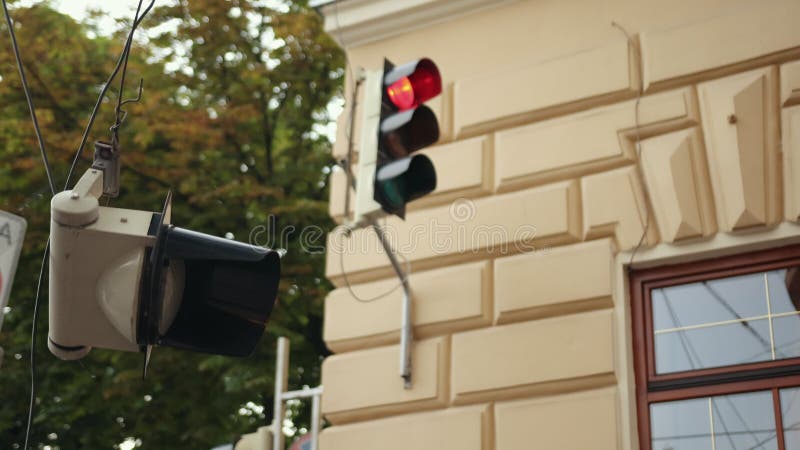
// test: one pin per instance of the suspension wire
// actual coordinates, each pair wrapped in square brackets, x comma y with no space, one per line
[127,53]
[28,97]
[123,57]
[32,404]
[52,185]
[93,116]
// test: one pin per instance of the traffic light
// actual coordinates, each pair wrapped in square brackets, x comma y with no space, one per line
[395,124]
[129,280]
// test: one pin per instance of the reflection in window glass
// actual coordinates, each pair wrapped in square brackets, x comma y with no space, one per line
[779,294]
[682,425]
[728,422]
[727,321]
[716,346]
[744,421]
[709,302]
[787,336]
[790,410]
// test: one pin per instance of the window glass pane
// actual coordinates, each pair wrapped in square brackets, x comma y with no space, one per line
[779,293]
[726,321]
[790,410]
[709,301]
[744,421]
[681,425]
[787,336]
[728,422]
[713,346]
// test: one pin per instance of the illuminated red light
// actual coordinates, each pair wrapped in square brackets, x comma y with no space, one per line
[401,93]
[417,88]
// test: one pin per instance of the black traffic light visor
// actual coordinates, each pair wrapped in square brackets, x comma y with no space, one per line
[227,292]
[405,132]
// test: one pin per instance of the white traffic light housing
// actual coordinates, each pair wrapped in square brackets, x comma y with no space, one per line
[128,280]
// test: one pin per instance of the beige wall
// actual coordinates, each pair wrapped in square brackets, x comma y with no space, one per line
[526,345]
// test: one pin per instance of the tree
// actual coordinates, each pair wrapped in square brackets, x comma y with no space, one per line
[234,95]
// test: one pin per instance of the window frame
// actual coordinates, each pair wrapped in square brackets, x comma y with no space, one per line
[757,376]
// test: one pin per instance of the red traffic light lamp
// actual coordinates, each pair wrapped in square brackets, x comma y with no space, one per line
[412,84]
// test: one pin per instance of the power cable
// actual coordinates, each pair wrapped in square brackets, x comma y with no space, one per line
[31,108]
[377,297]
[93,116]
[51,182]
[638,145]
[32,403]
[123,57]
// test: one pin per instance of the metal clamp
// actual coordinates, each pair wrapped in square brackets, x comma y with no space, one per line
[106,158]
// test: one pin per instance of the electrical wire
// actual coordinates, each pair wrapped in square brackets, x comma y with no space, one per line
[32,403]
[638,144]
[103,91]
[380,296]
[31,107]
[127,52]
[123,57]
[51,182]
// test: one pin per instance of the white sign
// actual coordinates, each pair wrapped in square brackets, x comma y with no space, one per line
[12,232]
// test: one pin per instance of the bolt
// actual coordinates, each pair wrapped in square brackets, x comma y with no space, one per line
[732,119]
[123,219]
[74,195]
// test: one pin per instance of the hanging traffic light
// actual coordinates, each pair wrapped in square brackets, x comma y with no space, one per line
[129,280]
[395,124]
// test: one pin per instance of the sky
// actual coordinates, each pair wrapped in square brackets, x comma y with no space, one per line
[126,8]
[78,8]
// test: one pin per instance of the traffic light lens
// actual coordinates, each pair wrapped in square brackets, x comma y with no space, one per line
[401,93]
[404,180]
[394,192]
[413,84]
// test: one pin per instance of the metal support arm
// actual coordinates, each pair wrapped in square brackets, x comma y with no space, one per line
[406,332]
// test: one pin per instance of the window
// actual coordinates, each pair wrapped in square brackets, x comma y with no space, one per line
[717,353]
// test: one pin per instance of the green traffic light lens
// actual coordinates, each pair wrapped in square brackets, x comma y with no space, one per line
[394,192]
[402,181]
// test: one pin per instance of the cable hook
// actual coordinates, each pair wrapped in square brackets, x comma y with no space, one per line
[114,128]
[138,96]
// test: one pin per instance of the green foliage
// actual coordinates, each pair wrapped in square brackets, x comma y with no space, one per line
[235,93]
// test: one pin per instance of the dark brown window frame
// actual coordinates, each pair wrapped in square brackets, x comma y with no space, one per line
[759,376]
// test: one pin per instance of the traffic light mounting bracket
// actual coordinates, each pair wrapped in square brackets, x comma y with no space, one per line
[367,210]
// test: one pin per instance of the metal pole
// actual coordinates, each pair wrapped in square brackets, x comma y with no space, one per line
[349,159]
[315,422]
[406,331]
[281,375]
[302,393]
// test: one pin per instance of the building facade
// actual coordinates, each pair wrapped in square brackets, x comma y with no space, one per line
[608,259]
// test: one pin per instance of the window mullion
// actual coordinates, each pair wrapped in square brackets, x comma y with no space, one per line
[776,402]
[711,424]
[769,317]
